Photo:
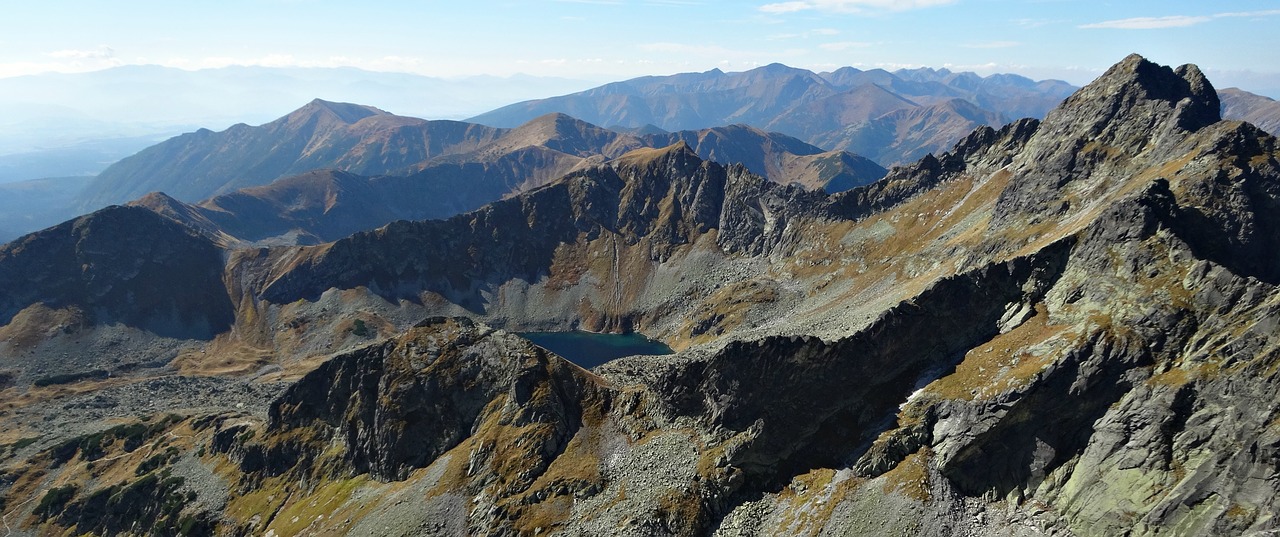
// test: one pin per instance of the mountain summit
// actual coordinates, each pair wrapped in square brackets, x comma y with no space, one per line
[321,110]
[1135,103]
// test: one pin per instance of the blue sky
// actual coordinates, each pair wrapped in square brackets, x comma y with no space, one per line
[1235,41]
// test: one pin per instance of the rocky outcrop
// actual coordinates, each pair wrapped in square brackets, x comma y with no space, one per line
[847,389]
[1132,115]
[400,405]
[511,417]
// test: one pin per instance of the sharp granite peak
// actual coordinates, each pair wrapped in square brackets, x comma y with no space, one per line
[1134,95]
[1057,327]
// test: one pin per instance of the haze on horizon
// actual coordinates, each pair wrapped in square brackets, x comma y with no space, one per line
[605,40]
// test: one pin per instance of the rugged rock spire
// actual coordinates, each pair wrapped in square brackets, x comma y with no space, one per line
[1130,117]
[1134,105]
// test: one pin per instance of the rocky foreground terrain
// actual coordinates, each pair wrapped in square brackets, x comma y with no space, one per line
[1062,327]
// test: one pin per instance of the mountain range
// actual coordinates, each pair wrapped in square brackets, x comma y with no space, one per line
[892,118]
[244,156]
[280,180]
[1059,326]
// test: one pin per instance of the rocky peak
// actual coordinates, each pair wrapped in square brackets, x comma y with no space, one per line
[677,156]
[182,213]
[1131,117]
[1134,104]
[156,201]
[399,405]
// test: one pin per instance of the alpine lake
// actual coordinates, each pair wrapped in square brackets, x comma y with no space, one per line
[589,349]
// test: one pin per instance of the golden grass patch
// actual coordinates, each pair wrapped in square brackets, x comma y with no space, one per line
[1002,363]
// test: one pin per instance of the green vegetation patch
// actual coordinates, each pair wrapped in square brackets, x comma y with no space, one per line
[158,461]
[94,446]
[55,500]
[154,501]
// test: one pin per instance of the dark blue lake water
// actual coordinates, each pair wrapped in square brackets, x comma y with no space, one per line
[589,349]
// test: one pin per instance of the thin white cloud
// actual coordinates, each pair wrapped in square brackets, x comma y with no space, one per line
[850,6]
[64,61]
[844,45]
[1251,14]
[992,44]
[785,7]
[1036,23]
[1177,21]
[101,53]
[804,35]
[1149,23]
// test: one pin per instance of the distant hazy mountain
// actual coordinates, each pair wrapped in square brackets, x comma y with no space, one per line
[847,109]
[54,114]
[776,156]
[322,134]
[906,134]
[1264,112]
